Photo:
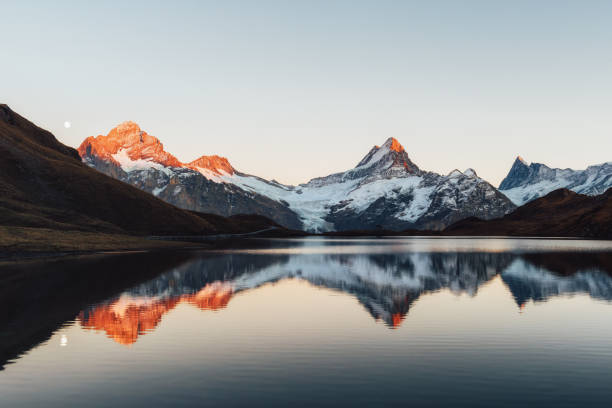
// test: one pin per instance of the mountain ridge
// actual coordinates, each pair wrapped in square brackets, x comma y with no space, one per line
[526,182]
[386,189]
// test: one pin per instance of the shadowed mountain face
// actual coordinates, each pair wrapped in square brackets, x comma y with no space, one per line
[44,184]
[386,189]
[561,213]
[385,285]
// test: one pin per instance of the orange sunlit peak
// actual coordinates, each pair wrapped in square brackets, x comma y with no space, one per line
[216,164]
[125,126]
[128,137]
[395,145]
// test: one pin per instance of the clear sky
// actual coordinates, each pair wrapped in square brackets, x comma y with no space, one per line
[292,90]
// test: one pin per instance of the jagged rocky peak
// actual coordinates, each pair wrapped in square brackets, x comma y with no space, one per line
[519,159]
[470,173]
[517,175]
[128,134]
[215,164]
[528,182]
[392,144]
[390,155]
[126,129]
[127,141]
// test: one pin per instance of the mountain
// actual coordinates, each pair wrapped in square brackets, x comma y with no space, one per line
[45,185]
[385,190]
[526,182]
[562,213]
[131,155]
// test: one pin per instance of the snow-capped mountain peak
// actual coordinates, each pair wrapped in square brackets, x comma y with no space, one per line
[470,173]
[392,144]
[390,154]
[527,182]
[128,145]
[519,172]
[520,159]
[131,148]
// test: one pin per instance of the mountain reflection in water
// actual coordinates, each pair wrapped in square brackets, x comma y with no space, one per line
[385,284]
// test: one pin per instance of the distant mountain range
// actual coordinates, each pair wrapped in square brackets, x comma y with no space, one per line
[385,190]
[526,182]
[45,185]
[131,155]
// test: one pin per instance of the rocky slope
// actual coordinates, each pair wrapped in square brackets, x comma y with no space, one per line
[385,190]
[526,182]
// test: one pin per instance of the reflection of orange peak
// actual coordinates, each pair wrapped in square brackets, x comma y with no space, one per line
[396,320]
[125,327]
[124,323]
[139,145]
[213,296]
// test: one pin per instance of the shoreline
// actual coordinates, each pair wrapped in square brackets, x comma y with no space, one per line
[161,244]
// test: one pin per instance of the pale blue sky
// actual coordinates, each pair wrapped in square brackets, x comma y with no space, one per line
[294,90]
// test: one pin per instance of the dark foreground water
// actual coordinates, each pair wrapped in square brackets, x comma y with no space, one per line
[314,322]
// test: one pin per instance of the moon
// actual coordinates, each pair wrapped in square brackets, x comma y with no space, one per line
[67,124]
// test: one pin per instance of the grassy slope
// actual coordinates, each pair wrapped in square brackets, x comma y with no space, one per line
[20,240]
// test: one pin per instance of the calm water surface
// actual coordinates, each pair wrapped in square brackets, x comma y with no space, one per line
[314,322]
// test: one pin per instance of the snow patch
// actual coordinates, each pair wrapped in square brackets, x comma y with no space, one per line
[128,165]
[158,190]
